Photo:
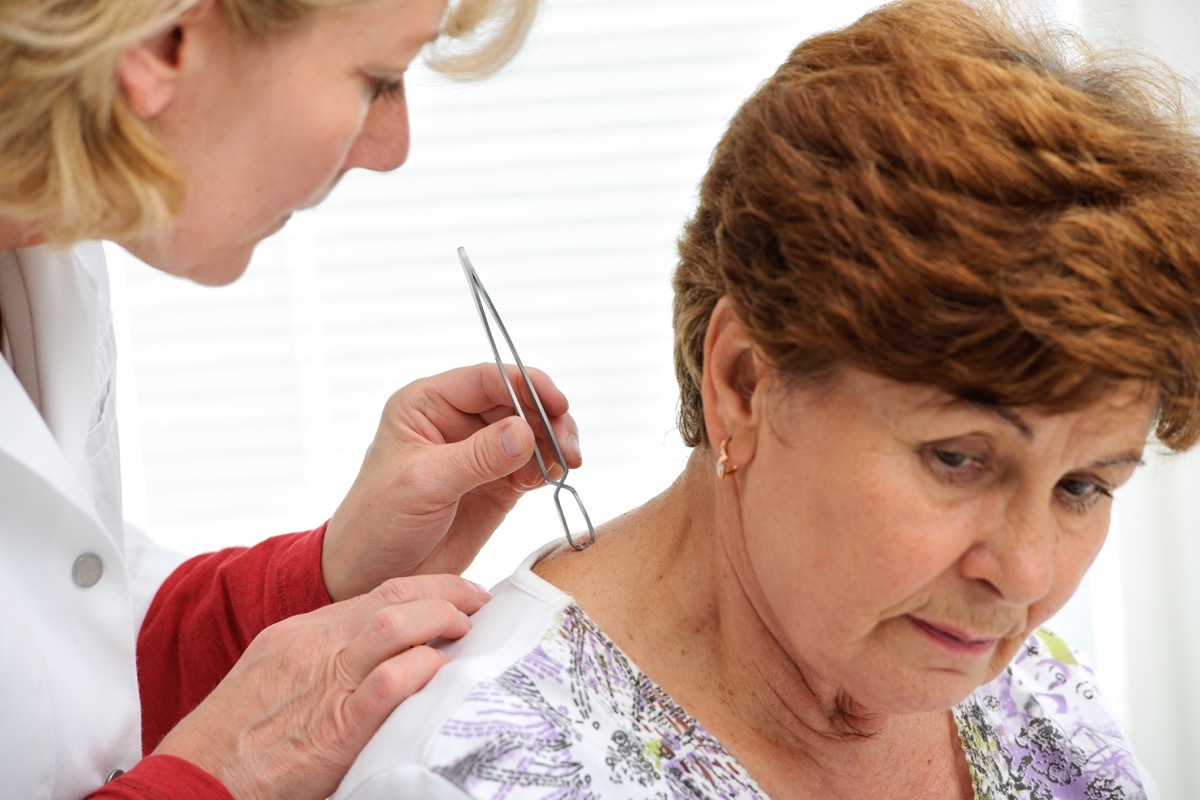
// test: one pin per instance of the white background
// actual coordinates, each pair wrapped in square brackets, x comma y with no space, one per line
[245,410]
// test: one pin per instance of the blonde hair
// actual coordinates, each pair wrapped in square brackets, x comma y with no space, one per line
[80,164]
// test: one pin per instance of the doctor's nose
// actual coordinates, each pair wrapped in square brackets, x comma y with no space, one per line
[382,144]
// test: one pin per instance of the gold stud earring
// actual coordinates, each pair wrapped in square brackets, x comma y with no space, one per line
[723,466]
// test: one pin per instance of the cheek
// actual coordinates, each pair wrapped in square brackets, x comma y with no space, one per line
[891,539]
[856,539]
[314,152]
[1073,556]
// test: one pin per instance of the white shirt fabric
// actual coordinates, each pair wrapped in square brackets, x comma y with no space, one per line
[537,702]
[75,581]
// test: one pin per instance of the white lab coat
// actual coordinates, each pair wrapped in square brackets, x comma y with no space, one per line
[75,582]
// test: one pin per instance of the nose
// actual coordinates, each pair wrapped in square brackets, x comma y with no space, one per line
[1015,554]
[382,144]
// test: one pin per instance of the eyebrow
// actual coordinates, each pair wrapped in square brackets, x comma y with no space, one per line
[1134,457]
[1006,414]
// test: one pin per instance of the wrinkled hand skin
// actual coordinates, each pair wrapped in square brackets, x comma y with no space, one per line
[449,461]
[310,691]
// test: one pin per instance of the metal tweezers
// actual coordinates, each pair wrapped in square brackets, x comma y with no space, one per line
[481,298]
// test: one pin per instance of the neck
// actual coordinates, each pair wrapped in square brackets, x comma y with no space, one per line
[670,585]
[17,233]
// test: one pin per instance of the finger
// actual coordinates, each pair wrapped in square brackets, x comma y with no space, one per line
[563,429]
[530,476]
[553,400]
[396,629]
[566,433]
[480,388]
[390,683]
[466,596]
[492,401]
[461,593]
[454,405]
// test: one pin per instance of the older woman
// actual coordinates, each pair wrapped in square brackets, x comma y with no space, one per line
[187,131]
[942,285]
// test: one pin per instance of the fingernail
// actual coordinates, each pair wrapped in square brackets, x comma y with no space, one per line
[530,477]
[573,443]
[482,591]
[510,440]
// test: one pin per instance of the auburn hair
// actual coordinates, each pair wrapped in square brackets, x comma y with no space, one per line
[939,195]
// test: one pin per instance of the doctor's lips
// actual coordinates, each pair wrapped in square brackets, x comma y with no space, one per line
[955,640]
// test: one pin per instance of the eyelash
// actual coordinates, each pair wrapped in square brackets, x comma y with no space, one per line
[957,474]
[387,90]
[1083,503]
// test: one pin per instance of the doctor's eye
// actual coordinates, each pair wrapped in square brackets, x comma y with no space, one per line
[386,90]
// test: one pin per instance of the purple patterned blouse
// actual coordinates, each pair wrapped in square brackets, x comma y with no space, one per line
[553,709]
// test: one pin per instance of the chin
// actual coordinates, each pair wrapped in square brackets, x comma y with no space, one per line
[219,274]
[925,691]
[212,269]
[217,269]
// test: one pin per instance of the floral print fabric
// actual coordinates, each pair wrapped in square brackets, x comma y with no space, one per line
[574,719]
[1040,731]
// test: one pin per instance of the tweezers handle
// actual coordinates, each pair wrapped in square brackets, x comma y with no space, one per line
[481,297]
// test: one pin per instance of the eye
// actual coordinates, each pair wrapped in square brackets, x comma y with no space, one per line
[955,466]
[1082,493]
[386,90]
[951,458]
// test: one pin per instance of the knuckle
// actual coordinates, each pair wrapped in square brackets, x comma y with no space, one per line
[279,634]
[487,455]
[391,624]
[400,398]
[427,593]
[405,674]
[401,591]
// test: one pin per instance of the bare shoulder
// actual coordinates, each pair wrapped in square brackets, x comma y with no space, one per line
[573,570]
[599,574]
[558,564]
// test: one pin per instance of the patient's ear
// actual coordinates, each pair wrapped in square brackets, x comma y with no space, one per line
[732,372]
[150,70]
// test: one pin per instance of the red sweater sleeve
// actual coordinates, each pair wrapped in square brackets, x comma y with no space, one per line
[207,612]
[163,778]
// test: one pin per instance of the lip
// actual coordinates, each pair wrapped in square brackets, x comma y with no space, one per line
[957,642]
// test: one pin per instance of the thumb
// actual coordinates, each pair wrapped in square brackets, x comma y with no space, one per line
[489,454]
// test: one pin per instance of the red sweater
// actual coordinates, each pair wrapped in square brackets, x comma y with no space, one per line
[201,620]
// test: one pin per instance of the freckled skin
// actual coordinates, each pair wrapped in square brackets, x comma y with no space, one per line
[873,503]
[263,130]
[794,591]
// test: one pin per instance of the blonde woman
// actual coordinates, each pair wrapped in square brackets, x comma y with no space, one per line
[187,131]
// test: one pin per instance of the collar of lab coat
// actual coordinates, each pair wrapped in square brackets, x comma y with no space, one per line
[66,293]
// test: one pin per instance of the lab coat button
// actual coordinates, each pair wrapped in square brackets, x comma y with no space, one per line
[112,776]
[87,570]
